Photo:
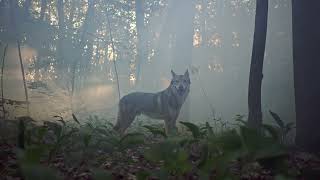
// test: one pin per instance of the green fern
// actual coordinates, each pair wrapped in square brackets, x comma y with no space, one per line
[156,131]
[194,129]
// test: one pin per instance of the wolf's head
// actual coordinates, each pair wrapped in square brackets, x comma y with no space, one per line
[180,84]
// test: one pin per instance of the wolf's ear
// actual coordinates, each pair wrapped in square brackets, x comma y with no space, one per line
[186,73]
[173,73]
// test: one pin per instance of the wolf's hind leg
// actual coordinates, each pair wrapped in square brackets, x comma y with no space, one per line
[123,123]
[126,115]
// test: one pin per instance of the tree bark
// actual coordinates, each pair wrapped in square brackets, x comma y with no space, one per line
[182,52]
[60,46]
[43,9]
[27,5]
[15,29]
[306,61]
[78,58]
[72,12]
[257,57]
[113,58]
[91,28]
[141,55]
[2,72]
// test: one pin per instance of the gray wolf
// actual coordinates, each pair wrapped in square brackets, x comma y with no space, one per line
[163,105]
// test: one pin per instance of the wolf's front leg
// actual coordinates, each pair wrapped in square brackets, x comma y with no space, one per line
[170,126]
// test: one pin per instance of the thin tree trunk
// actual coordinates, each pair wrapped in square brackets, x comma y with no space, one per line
[60,46]
[43,9]
[162,46]
[91,27]
[27,5]
[13,6]
[257,57]
[113,59]
[2,70]
[182,52]
[306,61]
[203,26]
[81,45]
[23,77]
[141,57]
[72,11]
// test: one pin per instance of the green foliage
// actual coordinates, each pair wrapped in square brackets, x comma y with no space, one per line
[194,129]
[247,146]
[285,128]
[213,152]
[259,146]
[32,154]
[61,120]
[21,134]
[156,131]
[172,154]
[142,175]
[101,174]
[240,118]
[271,130]
[209,129]
[130,140]
[75,119]
[277,119]
[37,171]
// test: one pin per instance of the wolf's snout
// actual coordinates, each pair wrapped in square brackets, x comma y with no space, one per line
[180,90]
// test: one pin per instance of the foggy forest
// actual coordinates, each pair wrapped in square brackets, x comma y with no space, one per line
[159,89]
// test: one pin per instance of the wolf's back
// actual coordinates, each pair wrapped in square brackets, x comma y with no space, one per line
[139,102]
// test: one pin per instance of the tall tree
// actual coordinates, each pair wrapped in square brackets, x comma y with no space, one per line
[141,46]
[27,5]
[1,81]
[61,37]
[257,57]
[306,61]
[14,28]
[183,32]
[89,21]
[43,9]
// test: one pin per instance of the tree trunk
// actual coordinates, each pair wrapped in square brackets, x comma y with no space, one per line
[60,46]
[27,5]
[2,88]
[15,29]
[141,55]
[182,52]
[113,58]
[255,78]
[306,61]
[43,9]
[80,46]
[72,12]
[91,28]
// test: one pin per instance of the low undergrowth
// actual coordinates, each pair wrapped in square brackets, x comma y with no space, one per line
[92,150]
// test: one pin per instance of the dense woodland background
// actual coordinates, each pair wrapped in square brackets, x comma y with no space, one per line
[65,39]
[80,56]
[252,112]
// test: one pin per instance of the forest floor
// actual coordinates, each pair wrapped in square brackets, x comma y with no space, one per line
[92,150]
